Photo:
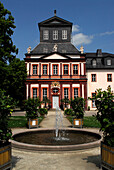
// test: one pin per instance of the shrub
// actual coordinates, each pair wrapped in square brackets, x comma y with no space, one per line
[6,105]
[78,107]
[31,106]
[104,101]
[42,111]
[68,112]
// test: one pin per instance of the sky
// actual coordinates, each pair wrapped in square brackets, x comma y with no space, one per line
[93,22]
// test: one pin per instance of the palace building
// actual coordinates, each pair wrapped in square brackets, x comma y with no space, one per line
[56,69]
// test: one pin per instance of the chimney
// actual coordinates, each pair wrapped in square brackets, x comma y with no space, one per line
[99,52]
[55,12]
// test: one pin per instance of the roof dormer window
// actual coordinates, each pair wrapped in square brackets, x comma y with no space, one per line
[108,62]
[94,62]
[55,35]
[45,34]
[64,34]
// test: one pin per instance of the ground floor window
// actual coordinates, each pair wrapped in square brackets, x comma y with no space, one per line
[93,101]
[75,92]
[44,92]
[34,92]
[66,93]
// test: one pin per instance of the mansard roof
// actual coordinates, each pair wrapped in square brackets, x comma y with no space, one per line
[55,21]
[67,48]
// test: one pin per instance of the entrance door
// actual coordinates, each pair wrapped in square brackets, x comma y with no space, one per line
[55,102]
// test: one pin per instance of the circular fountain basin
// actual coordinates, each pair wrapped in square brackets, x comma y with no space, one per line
[45,140]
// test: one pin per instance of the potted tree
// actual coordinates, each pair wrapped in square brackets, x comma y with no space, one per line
[31,106]
[104,101]
[78,107]
[65,102]
[6,105]
[43,111]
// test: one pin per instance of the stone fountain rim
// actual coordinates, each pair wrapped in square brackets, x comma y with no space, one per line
[31,147]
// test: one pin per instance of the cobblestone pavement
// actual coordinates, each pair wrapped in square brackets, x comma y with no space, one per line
[73,160]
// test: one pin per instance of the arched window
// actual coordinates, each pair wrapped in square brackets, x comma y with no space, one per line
[94,62]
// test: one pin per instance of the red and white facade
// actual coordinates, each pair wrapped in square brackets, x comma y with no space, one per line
[56,76]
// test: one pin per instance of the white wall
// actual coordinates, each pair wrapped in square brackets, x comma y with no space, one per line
[101,77]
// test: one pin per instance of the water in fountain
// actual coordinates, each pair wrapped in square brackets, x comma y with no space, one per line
[59,127]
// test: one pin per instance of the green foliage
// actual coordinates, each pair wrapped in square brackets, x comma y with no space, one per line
[43,111]
[78,107]
[7,49]
[104,101]
[6,105]
[68,112]
[12,70]
[17,76]
[31,106]
[65,101]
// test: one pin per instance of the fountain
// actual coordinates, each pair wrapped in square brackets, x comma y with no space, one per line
[58,139]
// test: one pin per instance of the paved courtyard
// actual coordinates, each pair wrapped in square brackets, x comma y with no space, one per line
[74,160]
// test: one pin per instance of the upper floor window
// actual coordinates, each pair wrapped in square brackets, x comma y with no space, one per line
[55,69]
[93,78]
[45,34]
[75,69]
[55,35]
[75,92]
[66,93]
[34,69]
[44,93]
[64,34]
[94,62]
[45,69]
[34,92]
[109,77]
[65,69]
[108,62]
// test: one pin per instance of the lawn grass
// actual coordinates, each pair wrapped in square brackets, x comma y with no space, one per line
[19,121]
[89,121]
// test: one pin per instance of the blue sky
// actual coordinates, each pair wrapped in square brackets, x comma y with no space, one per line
[93,22]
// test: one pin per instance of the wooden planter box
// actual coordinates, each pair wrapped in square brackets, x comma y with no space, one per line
[32,123]
[107,156]
[5,157]
[77,123]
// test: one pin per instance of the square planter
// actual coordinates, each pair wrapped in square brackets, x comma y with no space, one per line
[5,157]
[77,123]
[33,123]
[107,156]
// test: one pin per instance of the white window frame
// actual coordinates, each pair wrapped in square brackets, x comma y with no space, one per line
[34,92]
[64,34]
[93,77]
[55,69]
[65,69]
[66,93]
[75,92]
[109,62]
[44,92]
[94,62]
[35,69]
[75,69]
[45,35]
[55,34]
[44,69]
[109,77]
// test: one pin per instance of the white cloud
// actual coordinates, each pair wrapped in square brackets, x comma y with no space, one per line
[106,33]
[80,39]
[75,28]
